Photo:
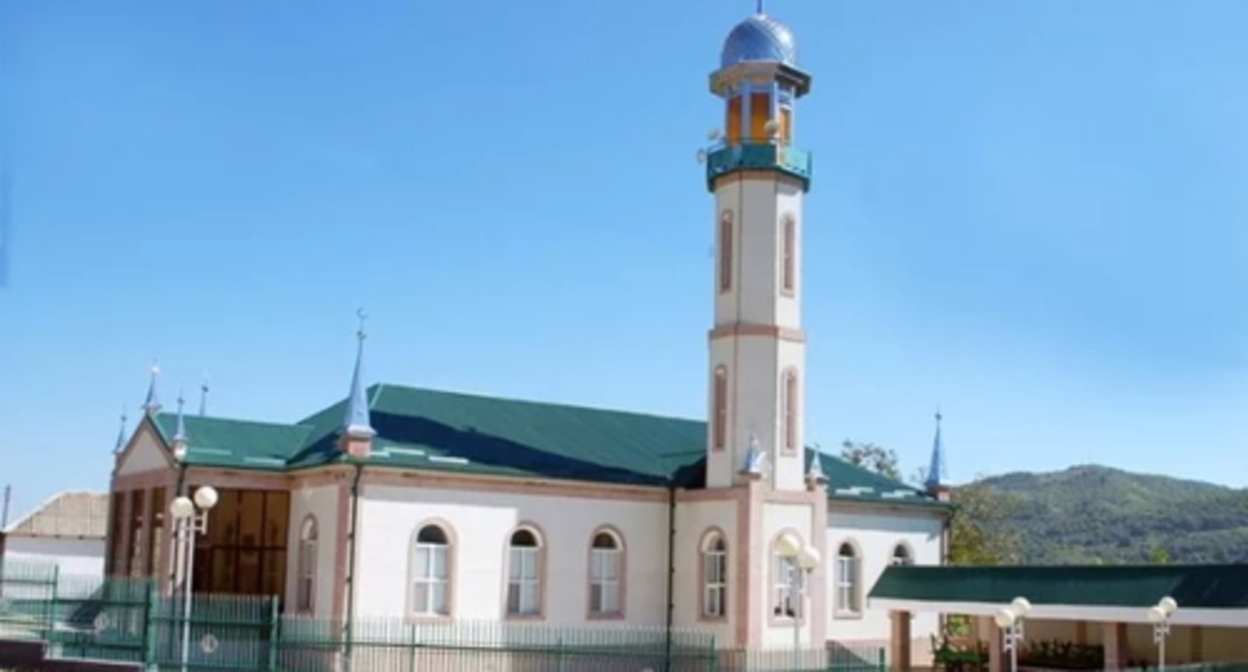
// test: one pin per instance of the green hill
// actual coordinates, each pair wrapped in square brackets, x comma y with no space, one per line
[1098,514]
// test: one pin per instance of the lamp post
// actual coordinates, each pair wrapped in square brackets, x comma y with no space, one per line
[1159,615]
[190,515]
[1010,620]
[803,560]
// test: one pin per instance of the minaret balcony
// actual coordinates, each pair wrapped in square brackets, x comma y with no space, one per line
[763,155]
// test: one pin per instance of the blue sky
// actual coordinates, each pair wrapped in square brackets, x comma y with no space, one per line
[1029,213]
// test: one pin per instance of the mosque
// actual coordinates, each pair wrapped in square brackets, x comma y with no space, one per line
[420,504]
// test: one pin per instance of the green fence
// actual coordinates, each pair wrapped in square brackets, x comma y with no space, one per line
[127,620]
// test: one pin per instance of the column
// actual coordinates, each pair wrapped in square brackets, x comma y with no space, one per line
[1115,642]
[899,642]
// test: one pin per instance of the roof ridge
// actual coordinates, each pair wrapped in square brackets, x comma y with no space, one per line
[219,418]
[535,402]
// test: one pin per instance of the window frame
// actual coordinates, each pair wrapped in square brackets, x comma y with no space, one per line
[719,408]
[619,582]
[725,252]
[415,547]
[537,581]
[708,583]
[790,399]
[850,587]
[306,565]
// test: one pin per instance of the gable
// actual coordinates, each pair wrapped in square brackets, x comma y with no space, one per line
[145,452]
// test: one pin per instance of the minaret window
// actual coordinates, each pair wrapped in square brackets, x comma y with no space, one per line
[719,408]
[790,401]
[524,582]
[788,255]
[760,114]
[736,106]
[725,251]
[785,118]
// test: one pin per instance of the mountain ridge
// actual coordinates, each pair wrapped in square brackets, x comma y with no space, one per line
[1093,513]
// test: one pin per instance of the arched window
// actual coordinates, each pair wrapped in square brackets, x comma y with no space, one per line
[719,399]
[725,251]
[847,570]
[786,588]
[788,255]
[901,555]
[714,576]
[606,568]
[305,592]
[524,573]
[790,401]
[431,572]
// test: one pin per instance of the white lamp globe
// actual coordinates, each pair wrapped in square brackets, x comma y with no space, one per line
[1021,606]
[1168,605]
[206,497]
[182,508]
[808,558]
[789,545]
[1005,618]
[1156,615]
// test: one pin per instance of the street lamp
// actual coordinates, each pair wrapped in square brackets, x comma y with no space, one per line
[1010,620]
[1159,615]
[190,517]
[803,559]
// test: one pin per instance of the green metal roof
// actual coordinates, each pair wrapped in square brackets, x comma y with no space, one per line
[1192,586]
[450,431]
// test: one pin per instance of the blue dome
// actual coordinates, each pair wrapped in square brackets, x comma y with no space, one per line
[759,38]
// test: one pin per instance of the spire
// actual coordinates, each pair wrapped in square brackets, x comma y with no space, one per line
[814,474]
[936,470]
[755,460]
[121,433]
[179,434]
[357,423]
[203,397]
[151,404]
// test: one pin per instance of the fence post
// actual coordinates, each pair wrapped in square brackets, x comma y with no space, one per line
[50,614]
[880,662]
[149,638]
[275,633]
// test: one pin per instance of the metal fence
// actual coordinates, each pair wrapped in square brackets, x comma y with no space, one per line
[128,620]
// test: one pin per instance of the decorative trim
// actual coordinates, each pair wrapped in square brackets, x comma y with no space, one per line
[732,177]
[742,330]
[543,583]
[622,580]
[452,573]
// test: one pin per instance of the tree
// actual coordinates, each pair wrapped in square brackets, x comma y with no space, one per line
[1159,556]
[982,532]
[871,457]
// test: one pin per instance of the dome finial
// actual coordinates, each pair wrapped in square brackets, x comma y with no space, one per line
[760,6]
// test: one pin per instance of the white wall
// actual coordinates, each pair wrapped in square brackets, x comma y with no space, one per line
[483,522]
[145,453]
[73,557]
[322,503]
[876,535]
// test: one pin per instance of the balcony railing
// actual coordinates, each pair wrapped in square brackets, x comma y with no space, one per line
[757,156]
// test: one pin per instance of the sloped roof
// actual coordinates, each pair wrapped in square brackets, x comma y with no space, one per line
[69,514]
[451,431]
[1192,586]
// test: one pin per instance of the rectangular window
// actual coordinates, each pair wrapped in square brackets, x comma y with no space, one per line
[134,559]
[725,252]
[716,589]
[760,114]
[785,574]
[116,535]
[788,262]
[522,584]
[735,106]
[158,541]
[790,412]
[604,581]
[846,588]
[429,580]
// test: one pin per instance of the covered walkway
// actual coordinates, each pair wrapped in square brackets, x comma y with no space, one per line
[1084,611]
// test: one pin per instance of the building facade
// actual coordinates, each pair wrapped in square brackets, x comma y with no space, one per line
[400,502]
[67,531]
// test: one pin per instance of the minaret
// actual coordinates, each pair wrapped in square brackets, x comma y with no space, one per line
[151,404]
[758,177]
[356,437]
[936,483]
